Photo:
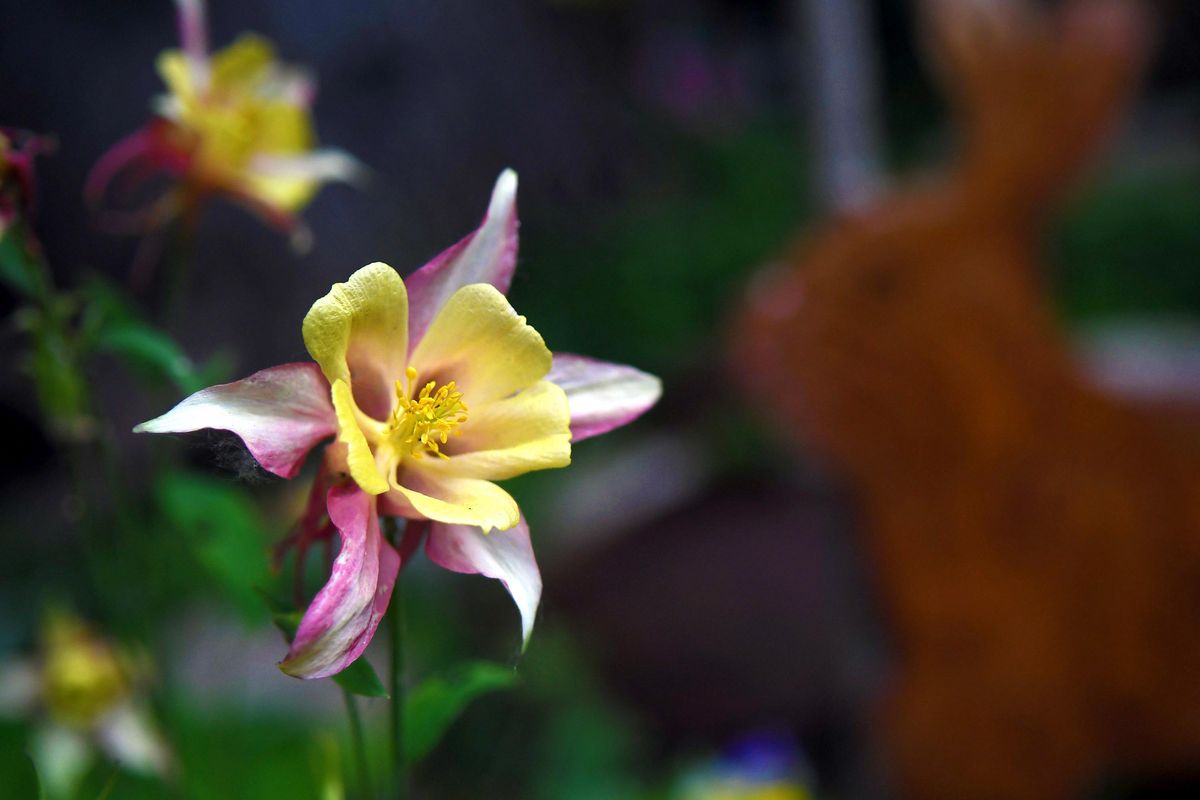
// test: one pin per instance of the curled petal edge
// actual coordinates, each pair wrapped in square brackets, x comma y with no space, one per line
[341,620]
[280,413]
[506,556]
[601,395]
[487,255]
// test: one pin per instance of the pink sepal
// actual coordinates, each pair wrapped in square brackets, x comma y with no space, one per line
[488,255]
[504,555]
[602,395]
[342,618]
[280,413]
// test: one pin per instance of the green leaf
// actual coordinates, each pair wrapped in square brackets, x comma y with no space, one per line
[54,365]
[439,701]
[225,533]
[148,350]
[19,268]
[26,782]
[111,323]
[360,678]
[287,622]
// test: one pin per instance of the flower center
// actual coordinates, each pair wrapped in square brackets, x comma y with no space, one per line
[425,422]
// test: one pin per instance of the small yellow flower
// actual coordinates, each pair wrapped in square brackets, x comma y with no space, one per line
[82,693]
[82,677]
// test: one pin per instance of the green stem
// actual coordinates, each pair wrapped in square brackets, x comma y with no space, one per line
[358,744]
[399,763]
[179,272]
[395,616]
[109,785]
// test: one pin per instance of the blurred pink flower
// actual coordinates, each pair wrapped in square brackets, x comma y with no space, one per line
[18,149]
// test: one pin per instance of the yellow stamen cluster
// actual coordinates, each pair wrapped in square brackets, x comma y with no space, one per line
[425,422]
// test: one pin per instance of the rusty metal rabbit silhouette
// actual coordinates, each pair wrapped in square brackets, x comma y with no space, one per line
[1037,542]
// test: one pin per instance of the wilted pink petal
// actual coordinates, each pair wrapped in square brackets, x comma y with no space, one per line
[280,413]
[602,396]
[18,149]
[488,255]
[504,555]
[133,148]
[131,163]
[342,618]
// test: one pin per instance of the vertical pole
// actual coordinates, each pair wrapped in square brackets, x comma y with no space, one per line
[840,73]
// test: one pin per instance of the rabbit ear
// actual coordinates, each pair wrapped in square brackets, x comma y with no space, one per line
[967,38]
[1035,91]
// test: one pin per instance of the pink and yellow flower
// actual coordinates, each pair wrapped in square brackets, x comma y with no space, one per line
[236,123]
[435,388]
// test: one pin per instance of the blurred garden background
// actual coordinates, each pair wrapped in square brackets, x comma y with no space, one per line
[717,617]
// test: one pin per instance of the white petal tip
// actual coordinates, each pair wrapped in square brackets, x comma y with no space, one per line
[350,170]
[505,192]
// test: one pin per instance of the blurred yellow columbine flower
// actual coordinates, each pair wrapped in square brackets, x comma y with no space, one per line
[435,388]
[236,123]
[82,691]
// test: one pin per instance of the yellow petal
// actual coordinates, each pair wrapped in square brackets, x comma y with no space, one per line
[359,458]
[528,431]
[478,341]
[287,193]
[242,63]
[358,333]
[282,129]
[460,501]
[173,69]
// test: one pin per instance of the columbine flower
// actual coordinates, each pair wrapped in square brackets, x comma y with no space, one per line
[434,389]
[83,693]
[236,123]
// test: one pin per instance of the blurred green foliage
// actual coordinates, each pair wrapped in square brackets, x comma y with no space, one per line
[20,262]
[654,283]
[112,324]
[1130,244]
[441,699]
[225,532]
